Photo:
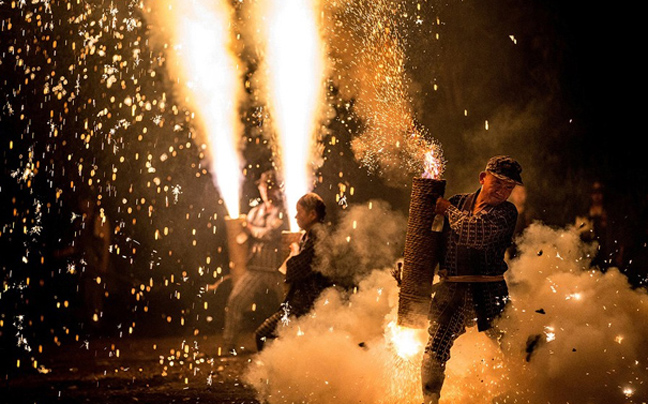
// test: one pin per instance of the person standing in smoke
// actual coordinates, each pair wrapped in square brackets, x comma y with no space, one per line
[478,230]
[304,283]
[261,283]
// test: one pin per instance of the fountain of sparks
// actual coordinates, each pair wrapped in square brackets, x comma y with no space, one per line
[205,61]
[295,62]
[433,162]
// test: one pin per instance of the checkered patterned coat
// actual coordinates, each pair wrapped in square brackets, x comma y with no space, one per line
[475,244]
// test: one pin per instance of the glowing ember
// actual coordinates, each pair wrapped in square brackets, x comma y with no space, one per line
[295,62]
[202,42]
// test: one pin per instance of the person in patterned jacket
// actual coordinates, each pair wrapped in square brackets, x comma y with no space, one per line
[304,283]
[478,229]
[261,284]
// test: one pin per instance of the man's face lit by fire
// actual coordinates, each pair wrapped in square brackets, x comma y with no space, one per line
[494,190]
[306,218]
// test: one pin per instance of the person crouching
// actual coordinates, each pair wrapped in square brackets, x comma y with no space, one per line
[303,282]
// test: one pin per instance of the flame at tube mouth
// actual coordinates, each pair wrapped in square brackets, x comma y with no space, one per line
[428,153]
[433,164]
[407,343]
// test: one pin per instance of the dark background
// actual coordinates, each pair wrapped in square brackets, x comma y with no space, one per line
[560,99]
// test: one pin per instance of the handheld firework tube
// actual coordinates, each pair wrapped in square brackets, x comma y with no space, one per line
[421,255]
[238,251]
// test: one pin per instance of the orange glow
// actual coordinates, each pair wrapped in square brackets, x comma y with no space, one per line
[408,343]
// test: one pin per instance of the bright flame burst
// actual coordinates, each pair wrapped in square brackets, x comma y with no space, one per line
[433,163]
[295,59]
[405,346]
[202,41]
[408,343]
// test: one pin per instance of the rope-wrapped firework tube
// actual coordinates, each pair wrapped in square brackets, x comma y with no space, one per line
[237,246]
[421,255]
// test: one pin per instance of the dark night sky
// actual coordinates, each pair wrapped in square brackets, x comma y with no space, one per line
[560,99]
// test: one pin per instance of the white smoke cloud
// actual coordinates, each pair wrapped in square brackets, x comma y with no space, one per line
[591,325]
[338,353]
[572,335]
[366,237]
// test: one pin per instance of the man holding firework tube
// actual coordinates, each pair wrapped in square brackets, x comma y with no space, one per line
[479,228]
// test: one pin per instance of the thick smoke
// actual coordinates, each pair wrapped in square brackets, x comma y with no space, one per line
[366,237]
[572,334]
[338,353]
[588,327]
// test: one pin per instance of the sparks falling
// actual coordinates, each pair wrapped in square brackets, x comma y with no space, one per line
[393,143]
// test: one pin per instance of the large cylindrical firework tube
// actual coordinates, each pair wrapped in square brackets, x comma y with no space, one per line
[237,246]
[421,255]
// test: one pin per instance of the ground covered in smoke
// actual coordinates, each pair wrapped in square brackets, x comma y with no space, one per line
[572,334]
